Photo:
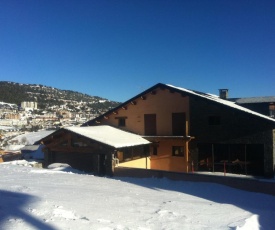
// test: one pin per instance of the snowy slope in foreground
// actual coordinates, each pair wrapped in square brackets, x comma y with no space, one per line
[32,198]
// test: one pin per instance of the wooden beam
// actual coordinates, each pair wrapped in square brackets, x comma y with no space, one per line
[125,117]
[58,141]
[75,150]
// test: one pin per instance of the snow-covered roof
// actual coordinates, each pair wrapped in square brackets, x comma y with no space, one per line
[30,147]
[248,100]
[109,135]
[33,137]
[14,147]
[217,99]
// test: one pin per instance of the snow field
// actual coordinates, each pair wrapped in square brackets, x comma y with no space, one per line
[33,198]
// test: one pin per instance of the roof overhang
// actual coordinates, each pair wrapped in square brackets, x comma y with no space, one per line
[183,92]
[161,138]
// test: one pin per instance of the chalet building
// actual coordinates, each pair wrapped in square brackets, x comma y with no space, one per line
[190,130]
[92,149]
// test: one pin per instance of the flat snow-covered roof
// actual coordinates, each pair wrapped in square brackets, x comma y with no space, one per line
[109,135]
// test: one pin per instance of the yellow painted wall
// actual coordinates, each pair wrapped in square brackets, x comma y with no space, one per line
[163,103]
[165,161]
[168,163]
[139,163]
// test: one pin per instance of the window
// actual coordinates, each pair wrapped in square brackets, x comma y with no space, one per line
[178,151]
[121,121]
[155,149]
[132,153]
[150,124]
[214,120]
[178,124]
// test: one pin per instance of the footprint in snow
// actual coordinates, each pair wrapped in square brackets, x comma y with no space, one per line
[104,221]
[68,215]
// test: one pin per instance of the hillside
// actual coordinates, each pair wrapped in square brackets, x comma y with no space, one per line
[46,96]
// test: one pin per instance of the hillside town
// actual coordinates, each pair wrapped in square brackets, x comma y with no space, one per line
[27,117]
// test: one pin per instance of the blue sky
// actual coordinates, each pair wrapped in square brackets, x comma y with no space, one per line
[116,49]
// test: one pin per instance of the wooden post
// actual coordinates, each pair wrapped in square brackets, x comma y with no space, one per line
[187,156]
[187,153]
[109,163]
[146,161]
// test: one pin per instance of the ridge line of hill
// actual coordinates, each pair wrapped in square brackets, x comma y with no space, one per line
[46,96]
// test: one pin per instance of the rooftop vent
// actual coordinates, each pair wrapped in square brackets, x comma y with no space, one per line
[223,93]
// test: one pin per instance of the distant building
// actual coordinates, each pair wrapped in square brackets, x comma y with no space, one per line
[11,116]
[264,105]
[27,105]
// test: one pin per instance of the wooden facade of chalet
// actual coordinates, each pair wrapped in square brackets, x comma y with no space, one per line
[91,149]
[190,130]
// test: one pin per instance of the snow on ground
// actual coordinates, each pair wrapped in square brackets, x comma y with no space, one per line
[61,198]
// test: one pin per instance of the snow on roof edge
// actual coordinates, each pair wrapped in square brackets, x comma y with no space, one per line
[222,101]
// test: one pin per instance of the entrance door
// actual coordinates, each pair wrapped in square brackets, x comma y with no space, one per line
[179,124]
[150,124]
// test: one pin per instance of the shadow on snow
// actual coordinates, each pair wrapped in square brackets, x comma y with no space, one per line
[12,205]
